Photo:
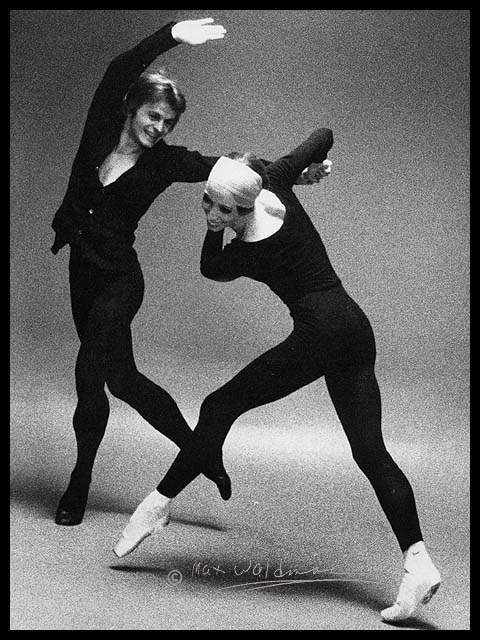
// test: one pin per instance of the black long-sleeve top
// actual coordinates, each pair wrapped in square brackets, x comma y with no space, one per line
[292,261]
[102,220]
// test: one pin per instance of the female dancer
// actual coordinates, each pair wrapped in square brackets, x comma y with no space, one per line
[121,166]
[277,244]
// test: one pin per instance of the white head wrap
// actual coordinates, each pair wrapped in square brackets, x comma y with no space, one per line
[238,179]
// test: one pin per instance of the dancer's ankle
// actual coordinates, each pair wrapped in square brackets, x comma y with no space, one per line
[158,499]
[415,549]
[154,503]
[417,558]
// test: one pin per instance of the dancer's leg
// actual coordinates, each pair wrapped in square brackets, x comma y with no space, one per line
[104,306]
[89,423]
[356,398]
[111,316]
[125,382]
[273,375]
[116,310]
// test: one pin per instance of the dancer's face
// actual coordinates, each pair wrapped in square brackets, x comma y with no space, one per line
[221,210]
[150,123]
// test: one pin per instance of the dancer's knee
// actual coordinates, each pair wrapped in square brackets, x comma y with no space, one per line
[372,461]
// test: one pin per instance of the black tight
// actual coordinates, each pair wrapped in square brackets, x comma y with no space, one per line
[356,398]
[104,305]
[331,338]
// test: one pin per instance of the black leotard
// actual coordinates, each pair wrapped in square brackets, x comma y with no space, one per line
[293,261]
[332,337]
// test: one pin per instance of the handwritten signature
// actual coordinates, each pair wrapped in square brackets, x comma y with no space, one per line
[267,575]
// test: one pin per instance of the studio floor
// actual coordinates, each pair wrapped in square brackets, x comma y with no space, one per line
[302,544]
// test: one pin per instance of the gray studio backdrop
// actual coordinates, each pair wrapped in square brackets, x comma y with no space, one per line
[394,215]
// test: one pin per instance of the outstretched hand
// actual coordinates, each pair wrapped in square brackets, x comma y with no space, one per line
[315,172]
[197,31]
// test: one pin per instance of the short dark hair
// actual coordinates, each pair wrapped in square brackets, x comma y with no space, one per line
[251,160]
[152,87]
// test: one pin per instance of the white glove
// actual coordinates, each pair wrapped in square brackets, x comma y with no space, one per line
[197,31]
[315,172]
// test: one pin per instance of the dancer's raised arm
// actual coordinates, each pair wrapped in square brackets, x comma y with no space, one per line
[112,121]
[127,66]
[286,170]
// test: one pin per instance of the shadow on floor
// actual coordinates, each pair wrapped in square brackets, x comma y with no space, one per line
[42,498]
[187,573]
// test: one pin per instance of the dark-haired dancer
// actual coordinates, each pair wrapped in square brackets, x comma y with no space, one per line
[121,166]
[277,244]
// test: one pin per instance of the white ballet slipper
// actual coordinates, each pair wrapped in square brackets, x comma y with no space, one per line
[420,582]
[152,514]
